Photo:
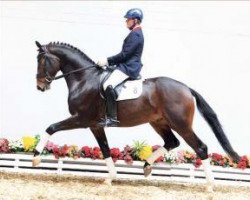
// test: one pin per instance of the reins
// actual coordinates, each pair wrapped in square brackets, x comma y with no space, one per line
[77,70]
[49,79]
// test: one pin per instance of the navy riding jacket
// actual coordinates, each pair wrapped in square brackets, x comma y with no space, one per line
[129,59]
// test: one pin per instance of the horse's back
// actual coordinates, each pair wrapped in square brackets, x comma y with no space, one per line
[165,84]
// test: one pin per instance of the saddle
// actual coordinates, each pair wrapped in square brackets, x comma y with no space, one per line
[128,89]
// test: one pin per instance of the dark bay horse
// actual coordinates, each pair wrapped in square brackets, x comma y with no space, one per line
[165,103]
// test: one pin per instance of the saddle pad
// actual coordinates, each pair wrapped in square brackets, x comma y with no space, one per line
[129,90]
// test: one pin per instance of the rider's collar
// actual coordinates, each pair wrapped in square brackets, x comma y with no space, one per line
[136,27]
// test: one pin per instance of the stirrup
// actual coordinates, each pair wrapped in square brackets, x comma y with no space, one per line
[109,122]
[112,122]
[102,123]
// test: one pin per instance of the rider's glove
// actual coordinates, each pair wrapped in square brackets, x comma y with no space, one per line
[102,62]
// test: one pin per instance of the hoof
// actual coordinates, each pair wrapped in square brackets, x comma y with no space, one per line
[36,161]
[108,181]
[147,170]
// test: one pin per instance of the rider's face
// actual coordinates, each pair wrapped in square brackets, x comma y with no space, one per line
[130,23]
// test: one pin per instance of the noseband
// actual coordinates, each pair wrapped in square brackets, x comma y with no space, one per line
[46,75]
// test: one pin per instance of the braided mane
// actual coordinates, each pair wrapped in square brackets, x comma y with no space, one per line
[72,48]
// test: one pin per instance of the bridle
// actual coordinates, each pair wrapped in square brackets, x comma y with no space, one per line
[49,78]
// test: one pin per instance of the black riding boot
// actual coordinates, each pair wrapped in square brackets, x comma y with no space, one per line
[111,108]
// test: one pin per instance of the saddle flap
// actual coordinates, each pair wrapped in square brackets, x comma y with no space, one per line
[128,89]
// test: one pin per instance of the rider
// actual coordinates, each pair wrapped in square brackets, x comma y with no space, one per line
[128,63]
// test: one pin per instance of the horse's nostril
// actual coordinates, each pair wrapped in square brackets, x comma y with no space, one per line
[41,89]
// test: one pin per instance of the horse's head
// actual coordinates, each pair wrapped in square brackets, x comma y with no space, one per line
[48,66]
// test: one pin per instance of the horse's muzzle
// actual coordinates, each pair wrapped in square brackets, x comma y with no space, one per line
[41,89]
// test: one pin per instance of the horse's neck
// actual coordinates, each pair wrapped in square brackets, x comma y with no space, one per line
[71,61]
[79,79]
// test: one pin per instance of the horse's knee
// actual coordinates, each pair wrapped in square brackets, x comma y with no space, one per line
[202,152]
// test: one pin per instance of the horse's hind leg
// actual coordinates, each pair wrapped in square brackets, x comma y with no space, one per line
[180,116]
[170,142]
[201,150]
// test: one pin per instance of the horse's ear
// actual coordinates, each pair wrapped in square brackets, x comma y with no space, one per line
[38,45]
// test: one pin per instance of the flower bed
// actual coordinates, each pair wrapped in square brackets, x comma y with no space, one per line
[139,151]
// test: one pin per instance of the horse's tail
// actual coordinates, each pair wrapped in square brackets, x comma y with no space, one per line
[210,116]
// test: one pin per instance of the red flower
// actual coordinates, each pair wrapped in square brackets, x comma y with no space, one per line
[121,156]
[197,163]
[244,159]
[155,147]
[60,151]
[56,151]
[127,150]
[160,159]
[128,159]
[222,163]
[115,154]
[87,151]
[243,163]
[216,156]
[96,153]
[126,155]
[64,150]
[4,145]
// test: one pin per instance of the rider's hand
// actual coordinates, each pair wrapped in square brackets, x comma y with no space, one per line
[102,62]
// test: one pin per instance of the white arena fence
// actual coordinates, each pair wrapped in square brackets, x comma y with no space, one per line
[97,168]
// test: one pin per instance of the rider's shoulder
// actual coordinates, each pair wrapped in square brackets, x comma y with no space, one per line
[136,33]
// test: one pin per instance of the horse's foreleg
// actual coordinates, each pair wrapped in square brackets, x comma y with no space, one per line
[101,139]
[70,123]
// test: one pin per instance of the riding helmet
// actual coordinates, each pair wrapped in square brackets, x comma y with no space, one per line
[134,13]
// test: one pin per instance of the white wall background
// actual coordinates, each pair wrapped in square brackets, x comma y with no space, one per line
[203,44]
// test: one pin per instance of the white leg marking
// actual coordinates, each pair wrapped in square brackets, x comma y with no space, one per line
[43,140]
[209,174]
[158,153]
[111,168]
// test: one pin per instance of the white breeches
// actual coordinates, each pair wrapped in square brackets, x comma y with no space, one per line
[115,79]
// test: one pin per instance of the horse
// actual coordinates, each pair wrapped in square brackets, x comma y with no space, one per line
[166,104]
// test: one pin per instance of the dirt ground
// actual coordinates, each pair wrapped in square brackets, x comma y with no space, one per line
[15,186]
